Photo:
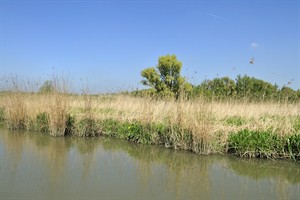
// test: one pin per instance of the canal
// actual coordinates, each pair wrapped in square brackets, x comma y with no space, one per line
[38,166]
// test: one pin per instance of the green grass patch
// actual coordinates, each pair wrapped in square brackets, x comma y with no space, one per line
[264,144]
[247,143]
[132,131]
[292,146]
[86,128]
[138,132]
[235,121]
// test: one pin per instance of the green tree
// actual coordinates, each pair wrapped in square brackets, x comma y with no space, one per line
[298,94]
[166,78]
[219,87]
[287,94]
[47,87]
[255,89]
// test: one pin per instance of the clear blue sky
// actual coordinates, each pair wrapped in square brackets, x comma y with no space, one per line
[108,43]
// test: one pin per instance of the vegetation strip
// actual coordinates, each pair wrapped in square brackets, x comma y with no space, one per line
[246,117]
[89,121]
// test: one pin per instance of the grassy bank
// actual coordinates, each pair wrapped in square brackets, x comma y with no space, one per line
[268,129]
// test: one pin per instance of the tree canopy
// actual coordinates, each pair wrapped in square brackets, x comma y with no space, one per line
[166,78]
[244,87]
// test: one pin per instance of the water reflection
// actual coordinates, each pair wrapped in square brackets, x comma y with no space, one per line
[183,173]
[257,169]
[34,165]
[282,174]
[259,179]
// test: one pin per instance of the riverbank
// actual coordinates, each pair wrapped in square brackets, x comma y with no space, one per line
[265,130]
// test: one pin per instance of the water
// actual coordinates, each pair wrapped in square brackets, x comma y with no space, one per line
[37,166]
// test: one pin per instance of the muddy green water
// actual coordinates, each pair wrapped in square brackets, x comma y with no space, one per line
[37,166]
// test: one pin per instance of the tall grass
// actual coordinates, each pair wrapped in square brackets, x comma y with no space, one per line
[24,109]
[197,124]
[16,111]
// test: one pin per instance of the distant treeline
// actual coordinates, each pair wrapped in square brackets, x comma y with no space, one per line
[165,81]
[243,87]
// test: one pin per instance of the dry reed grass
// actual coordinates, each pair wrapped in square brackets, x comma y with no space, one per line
[21,110]
[22,106]
[210,123]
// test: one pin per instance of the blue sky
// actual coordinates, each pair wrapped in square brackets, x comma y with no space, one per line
[107,43]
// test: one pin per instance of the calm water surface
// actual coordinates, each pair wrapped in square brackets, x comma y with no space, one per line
[37,166]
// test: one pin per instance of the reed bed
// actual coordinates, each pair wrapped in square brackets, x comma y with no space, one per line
[198,125]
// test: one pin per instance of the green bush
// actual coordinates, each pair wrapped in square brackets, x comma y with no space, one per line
[132,131]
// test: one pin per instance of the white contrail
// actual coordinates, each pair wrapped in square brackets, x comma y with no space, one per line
[221,18]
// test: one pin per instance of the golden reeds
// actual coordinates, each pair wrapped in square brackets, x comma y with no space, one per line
[20,107]
[197,125]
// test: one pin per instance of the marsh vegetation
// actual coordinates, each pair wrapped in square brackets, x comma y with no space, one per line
[217,119]
[265,129]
